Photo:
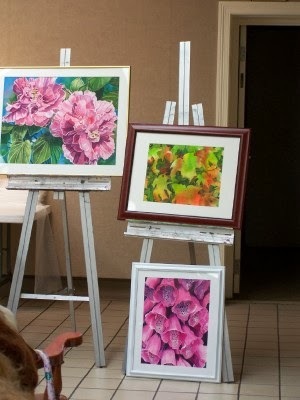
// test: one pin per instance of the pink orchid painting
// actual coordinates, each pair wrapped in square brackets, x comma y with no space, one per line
[175,325]
[62,119]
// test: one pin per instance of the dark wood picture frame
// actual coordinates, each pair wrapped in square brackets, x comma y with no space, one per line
[215,148]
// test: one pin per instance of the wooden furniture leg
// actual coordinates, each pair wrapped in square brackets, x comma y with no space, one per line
[55,352]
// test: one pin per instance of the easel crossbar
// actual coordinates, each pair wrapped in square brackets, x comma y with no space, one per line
[80,183]
[53,297]
[201,234]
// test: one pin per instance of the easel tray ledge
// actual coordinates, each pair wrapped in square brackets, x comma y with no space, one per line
[76,183]
[190,233]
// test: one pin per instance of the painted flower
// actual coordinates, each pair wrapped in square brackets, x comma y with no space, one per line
[152,282]
[206,299]
[174,335]
[150,285]
[152,352]
[182,362]
[37,101]
[86,126]
[148,305]
[166,292]
[168,357]
[146,335]
[199,320]
[200,356]
[187,284]
[185,304]
[201,287]
[191,343]
[157,319]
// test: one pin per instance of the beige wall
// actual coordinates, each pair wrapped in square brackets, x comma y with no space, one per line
[145,35]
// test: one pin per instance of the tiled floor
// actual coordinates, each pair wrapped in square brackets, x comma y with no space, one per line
[265,348]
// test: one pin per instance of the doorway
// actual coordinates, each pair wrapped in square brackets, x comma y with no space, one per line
[231,16]
[271,229]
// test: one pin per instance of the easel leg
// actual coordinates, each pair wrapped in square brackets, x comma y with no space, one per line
[18,275]
[146,250]
[192,253]
[68,260]
[227,371]
[145,257]
[92,278]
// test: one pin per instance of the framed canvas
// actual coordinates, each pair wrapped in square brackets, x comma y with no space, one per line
[184,174]
[176,322]
[64,120]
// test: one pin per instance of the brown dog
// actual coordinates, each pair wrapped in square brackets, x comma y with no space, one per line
[18,372]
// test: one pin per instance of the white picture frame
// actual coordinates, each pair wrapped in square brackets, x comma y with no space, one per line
[162,341]
[63,120]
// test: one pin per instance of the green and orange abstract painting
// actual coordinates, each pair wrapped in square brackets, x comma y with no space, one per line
[182,174]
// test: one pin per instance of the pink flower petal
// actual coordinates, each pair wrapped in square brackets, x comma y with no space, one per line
[201,288]
[152,282]
[174,335]
[86,126]
[151,354]
[166,292]
[185,304]
[146,335]
[37,101]
[168,357]
[148,305]
[199,321]
[191,343]
[199,359]
[187,283]
[157,319]
[182,362]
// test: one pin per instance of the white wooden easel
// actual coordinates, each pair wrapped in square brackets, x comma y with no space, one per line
[83,185]
[212,236]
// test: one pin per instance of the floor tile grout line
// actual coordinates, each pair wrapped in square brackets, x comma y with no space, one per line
[157,389]
[106,347]
[197,392]
[244,352]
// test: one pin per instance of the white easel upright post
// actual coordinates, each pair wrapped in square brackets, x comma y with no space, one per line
[59,185]
[65,61]
[213,237]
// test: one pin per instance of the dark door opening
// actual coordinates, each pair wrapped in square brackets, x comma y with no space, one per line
[271,231]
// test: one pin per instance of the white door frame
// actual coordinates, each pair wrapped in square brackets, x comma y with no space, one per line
[233,14]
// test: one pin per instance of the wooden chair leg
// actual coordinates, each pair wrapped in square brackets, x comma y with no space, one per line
[55,352]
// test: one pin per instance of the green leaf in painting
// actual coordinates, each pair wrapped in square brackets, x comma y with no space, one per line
[96,83]
[177,187]
[32,130]
[18,132]
[212,159]
[161,193]
[6,128]
[188,169]
[46,148]
[19,152]
[77,84]
[111,97]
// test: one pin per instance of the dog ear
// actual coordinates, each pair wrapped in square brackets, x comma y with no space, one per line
[22,357]
[9,317]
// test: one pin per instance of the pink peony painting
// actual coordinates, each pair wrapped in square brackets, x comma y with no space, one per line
[175,322]
[62,119]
